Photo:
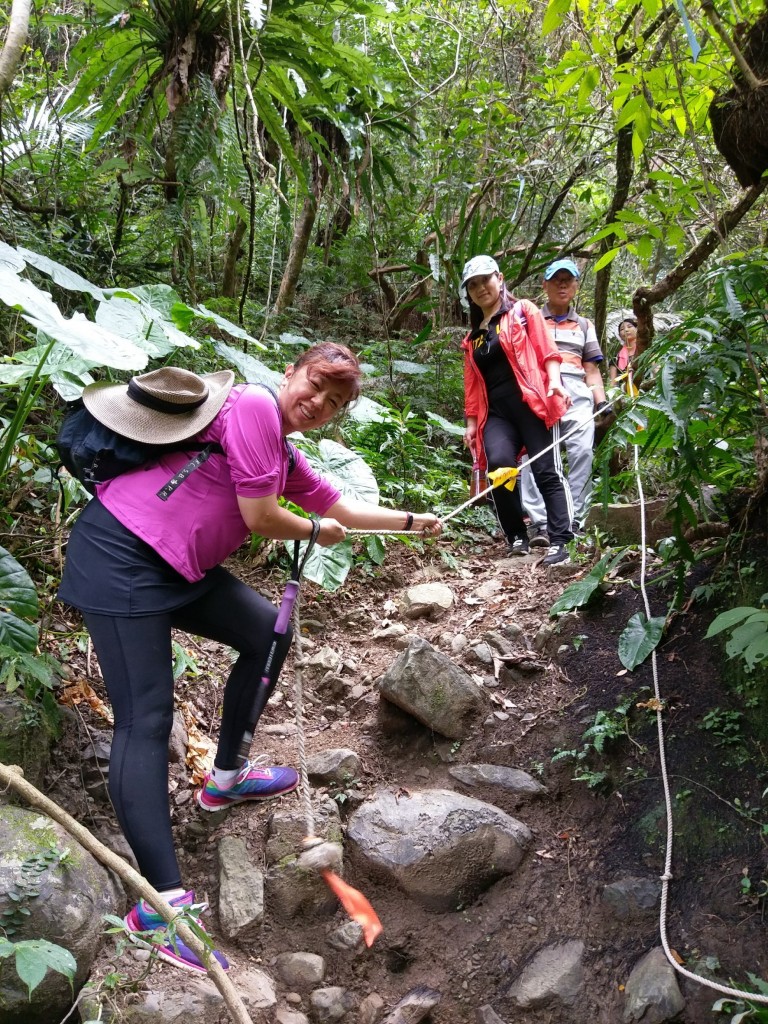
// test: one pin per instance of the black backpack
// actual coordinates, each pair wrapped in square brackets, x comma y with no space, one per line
[94,453]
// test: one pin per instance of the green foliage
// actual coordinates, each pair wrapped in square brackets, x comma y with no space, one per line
[25,888]
[34,957]
[749,634]
[579,593]
[640,636]
[743,1009]
[607,728]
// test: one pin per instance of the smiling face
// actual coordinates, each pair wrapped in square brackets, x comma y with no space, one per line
[560,290]
[309,400]
[485,291]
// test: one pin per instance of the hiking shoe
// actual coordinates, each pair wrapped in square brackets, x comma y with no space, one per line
[577,529]
[557,555]
[538,536]
[519,546]
[253,783]
[144,919]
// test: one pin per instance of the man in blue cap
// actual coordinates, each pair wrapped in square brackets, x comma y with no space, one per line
[577,341]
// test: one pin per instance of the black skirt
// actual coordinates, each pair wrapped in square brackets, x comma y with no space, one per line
[111,571]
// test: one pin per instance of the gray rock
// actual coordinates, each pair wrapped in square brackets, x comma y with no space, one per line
[427,600]
[414,1006]
[326,659]
[300,971]
[487,1015]
[332,1003]
[22,742]
[241,888]
[511,779]
[370,1008]
[623,522]
[427,684]
[653,995]
[177,744]
[283,1016]
[458,643]
[441,848]
[483,654]
[199,1002]
[290,890]
[66,900]
[555,975]
[256,988]
[347,937]
[632,898]
[339,766]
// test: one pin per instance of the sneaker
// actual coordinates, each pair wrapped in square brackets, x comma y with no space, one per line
[519,546]
[253,783]
[557,555]
[577,529]
[144,919]
[538,536]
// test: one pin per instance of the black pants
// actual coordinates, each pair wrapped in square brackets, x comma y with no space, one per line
[136,663]
[504,437]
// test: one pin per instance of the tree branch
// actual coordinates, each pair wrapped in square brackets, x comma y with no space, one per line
[11,776]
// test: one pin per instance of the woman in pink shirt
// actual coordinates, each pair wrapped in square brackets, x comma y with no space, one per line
[141,562]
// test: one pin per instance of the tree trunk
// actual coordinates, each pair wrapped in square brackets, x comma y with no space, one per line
[10,55]
[229,278]
[298,251]
[625,166]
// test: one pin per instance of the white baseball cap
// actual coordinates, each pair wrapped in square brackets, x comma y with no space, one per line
[474,268]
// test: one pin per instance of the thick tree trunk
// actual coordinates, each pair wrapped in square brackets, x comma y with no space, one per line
[298,251]
[10,55]
[625,166]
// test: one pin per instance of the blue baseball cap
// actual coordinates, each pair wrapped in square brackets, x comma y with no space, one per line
[568,265]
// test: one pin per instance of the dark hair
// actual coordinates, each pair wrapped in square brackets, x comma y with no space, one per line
[476,314]
[627,320]
[336,362]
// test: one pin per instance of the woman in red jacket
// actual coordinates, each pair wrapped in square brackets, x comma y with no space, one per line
[513,400]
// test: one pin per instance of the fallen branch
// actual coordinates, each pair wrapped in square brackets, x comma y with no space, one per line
[11,776]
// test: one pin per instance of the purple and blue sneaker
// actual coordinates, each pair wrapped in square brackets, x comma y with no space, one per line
[144,919]
[253,783]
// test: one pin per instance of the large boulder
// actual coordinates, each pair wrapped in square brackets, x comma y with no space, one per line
[429,686]
[440,847]
[50,888]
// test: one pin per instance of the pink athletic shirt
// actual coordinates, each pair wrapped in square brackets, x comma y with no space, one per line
[200,524]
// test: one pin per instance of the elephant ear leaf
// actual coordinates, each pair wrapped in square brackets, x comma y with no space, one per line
[18,605]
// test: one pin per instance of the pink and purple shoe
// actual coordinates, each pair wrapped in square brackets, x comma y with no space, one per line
[144,919]
[253,783]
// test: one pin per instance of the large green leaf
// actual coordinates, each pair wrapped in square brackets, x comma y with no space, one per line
[328,567]
[729,619]
[10,259]
[61,275]
[35,956]
[143,325]
[18,605]
[226,325]
[346,470]
[640,637]
[579,593]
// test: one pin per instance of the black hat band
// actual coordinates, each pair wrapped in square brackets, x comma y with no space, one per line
[139,395]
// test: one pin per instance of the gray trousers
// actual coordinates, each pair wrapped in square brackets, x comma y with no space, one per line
[578,448]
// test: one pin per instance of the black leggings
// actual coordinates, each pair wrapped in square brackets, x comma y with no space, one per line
[504,437]
[136,663]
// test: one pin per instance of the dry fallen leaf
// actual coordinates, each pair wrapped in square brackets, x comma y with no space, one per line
[81,692]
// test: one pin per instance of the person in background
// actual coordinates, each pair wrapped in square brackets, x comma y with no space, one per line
[576,341]
[138,566]
[514,399]
[626,332]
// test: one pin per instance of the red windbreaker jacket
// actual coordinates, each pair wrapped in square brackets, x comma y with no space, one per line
[527,344]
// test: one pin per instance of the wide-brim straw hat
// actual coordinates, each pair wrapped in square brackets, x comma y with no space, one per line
[160,407]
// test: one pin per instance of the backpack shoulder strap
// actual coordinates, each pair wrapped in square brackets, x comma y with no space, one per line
[289,448]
